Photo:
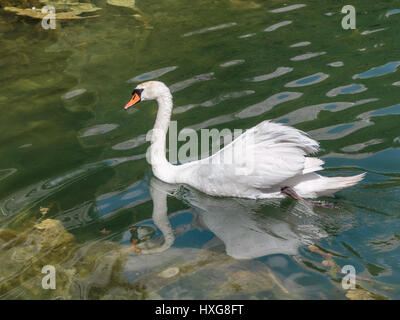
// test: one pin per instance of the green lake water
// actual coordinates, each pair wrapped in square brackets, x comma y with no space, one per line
[77,193]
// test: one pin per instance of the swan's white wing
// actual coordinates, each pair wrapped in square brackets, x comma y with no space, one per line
[263,157]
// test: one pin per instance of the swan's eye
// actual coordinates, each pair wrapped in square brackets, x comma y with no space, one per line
[138,91]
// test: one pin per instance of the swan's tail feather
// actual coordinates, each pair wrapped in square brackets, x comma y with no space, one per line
[312,185]
[312,164]
[334,184]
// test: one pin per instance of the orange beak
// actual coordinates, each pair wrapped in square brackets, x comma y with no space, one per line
[135,99]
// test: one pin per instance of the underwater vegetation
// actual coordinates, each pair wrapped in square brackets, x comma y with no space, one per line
[82,272]
[105,269]
[356,293]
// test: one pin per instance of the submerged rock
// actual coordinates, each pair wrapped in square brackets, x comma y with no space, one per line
[360,293]
[20,3]
[169,273]
[214,274]
[65,9]
[89,272]
[243,282]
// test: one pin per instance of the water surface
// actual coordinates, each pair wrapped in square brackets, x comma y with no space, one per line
[77,192]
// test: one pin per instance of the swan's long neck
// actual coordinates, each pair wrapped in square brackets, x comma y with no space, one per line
[162,169]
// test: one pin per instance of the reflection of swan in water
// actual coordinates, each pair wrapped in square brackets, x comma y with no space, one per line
[160,217]
[246,232]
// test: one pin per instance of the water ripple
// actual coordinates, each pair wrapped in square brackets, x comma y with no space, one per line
[27,197]
[309,80]
[185,108]
[98,129]
[366,32]
[111,203]
[213,122]
[310,113]
[392,12]
[277,73]
[349,89]
[387,68]
[267,104]
[214,101]
[308,55]
[288,8]
[361,146]
[5,173]
[73,93]
[188,82]
[249,35]
[231,63]
[152,74]
[381,161]
[131,143]
[336,64]
[277,26]
[339,131]
[300,44]
[227,96]
[392,110]
[218,27]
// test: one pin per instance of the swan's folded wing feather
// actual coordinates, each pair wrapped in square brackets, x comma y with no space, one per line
[264,156]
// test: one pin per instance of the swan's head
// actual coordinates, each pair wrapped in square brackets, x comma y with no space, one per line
[150,90]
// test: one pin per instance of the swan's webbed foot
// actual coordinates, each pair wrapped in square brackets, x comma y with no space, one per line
[291,193]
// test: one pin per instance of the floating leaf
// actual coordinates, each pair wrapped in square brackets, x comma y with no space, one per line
[44,210]
[105,231]
[123,3]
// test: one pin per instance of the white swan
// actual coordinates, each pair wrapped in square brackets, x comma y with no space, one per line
[275,154]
